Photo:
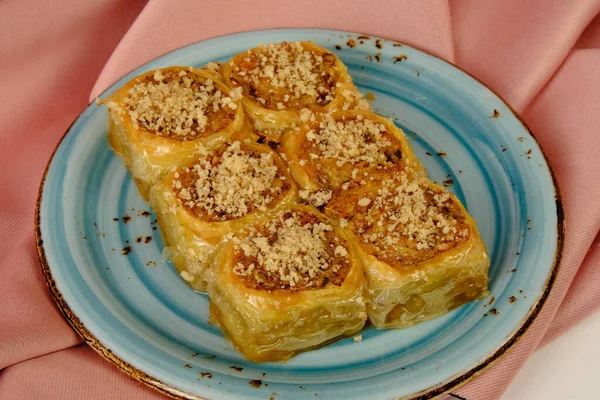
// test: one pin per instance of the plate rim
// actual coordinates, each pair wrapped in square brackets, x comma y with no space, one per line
[435,391]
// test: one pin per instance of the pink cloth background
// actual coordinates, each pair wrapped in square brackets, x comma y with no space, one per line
[542,56]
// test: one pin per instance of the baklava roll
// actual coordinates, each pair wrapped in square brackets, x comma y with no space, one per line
[219,192]
[161,119]
[421,251]
[280,81]
[290,282]
[331,151]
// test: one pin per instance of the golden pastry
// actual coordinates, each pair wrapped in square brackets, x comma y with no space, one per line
[290,282]
[421,250]
[334,150]
[162,118]
[282,81]
[216,194]
[226,154]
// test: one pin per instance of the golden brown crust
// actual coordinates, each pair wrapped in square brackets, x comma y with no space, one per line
[402,222]
[274,325]
[421,251]
[279,81]
[331,151]
[150,156]
[192,233]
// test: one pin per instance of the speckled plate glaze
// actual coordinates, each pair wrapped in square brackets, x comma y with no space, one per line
[100,248]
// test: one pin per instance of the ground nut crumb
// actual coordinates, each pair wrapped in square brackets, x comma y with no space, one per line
[351,141]
[186,276]
[286,75]
[175,103]
[363,202]
[316,199]
[231,185]
[340,251]
[292,251]
[413,210]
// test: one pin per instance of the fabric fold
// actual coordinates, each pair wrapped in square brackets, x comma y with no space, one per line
[516,46]
[164,26]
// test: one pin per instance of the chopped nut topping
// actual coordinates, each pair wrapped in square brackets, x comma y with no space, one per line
[179,105]
[306,115]
[230,183]
[286,75]
[353,141]
[363,202]
[316,199]
[415,211]
[402,215]
[293,251]
[187,276]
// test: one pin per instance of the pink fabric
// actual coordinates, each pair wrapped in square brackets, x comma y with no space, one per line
[540,55]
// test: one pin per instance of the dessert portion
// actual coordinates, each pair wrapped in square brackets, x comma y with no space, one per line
[280,81]
[297,209]
[333,151]
[421,251]
[162,118]
[219,192]
[289,282]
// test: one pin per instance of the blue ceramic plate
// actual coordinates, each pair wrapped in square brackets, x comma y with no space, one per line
[133,308]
